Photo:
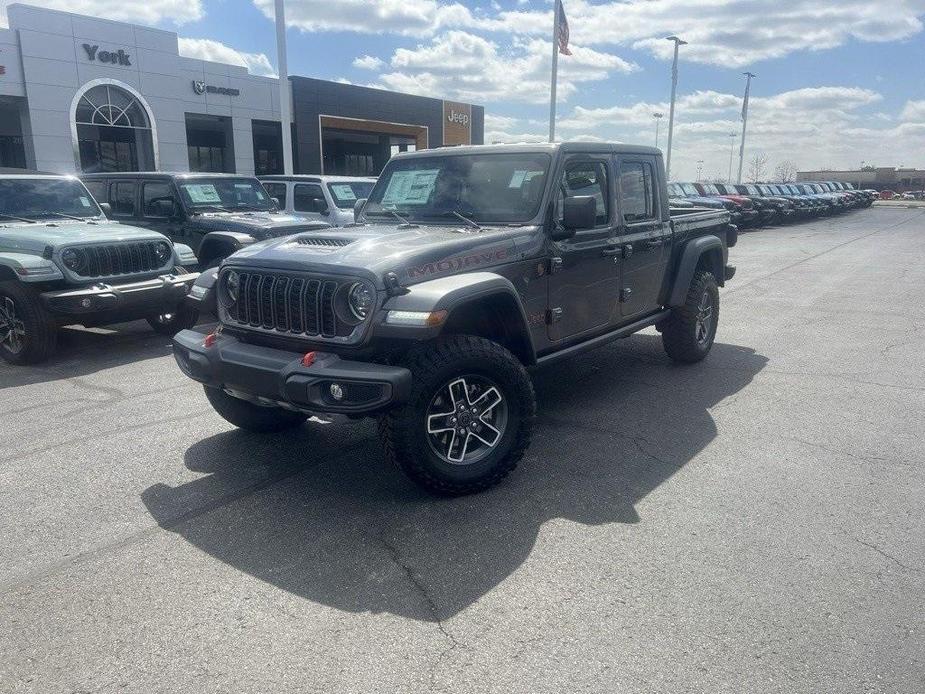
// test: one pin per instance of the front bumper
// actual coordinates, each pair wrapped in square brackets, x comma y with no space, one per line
[166,291]
[271,376]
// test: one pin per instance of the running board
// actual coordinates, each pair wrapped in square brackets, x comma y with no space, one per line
[601,340]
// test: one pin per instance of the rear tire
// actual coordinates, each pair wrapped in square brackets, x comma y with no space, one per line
[247,415]
[690,331]
[468,420]
[28,335]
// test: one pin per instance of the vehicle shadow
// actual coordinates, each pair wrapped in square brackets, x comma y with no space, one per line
[82,352]
[319,514]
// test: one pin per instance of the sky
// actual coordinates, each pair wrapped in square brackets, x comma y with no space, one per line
[840,83]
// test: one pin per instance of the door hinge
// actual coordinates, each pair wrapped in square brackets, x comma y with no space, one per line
[625,294]
[553,315]
[628,250]
[555,264]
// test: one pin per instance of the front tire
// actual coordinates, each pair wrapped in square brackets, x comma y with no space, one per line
[690,331]
[28,335]
[247,415]
[468,420]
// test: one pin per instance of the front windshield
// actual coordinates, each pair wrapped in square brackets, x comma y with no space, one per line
[675,191]
[224,194]
[690,189]
[43,198]
[710,189]
[752,190]
[346,193]
[500,187]
[765,190]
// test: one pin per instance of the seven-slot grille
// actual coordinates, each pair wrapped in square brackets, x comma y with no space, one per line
[119,259]
[293,305]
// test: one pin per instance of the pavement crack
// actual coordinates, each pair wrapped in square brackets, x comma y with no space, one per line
[854,456]
[421,589]
[639,442]
[889,556]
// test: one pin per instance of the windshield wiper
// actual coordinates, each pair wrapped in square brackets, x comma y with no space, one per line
[458,215]
[60,214]
[18,219]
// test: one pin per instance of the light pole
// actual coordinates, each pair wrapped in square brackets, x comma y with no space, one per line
[285,111]
[732,142]
[674,89]
[699,169]
[748,84]
[658,119]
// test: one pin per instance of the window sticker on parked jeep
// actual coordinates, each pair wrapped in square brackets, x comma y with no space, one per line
[247,188]
[521,177]
[202,192]
[85,201]
[344,191]
[410,187]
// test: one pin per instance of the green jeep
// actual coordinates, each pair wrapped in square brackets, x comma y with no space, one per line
[63,263]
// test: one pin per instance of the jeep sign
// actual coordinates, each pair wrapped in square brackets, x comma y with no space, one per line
[119,57]
[457,123]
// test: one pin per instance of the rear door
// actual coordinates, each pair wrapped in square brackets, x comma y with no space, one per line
[645,234]
[584,286]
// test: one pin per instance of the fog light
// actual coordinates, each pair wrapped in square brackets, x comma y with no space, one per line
[336,391]
[86,303]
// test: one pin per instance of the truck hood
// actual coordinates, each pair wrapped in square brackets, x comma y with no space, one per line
[262,225]
[36,237]
[414,253]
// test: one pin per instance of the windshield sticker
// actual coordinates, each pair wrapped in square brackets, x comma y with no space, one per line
[410,187]
[517,180]
[85,201]
[344,191]
[202,193]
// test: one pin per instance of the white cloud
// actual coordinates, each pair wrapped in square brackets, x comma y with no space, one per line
[175,12]
[368,62]
[914,111]
[207,49]
[402,17]
[462,65]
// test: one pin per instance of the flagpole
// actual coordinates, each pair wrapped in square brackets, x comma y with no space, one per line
[748,84]
[285,110]
[555,70]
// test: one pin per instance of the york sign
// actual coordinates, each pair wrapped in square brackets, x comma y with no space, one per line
[119,57]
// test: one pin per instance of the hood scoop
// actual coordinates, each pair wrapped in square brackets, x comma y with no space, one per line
[323,243]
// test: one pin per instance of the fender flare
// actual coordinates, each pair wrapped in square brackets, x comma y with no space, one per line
[687,265]
[28,267]
[235,239]
[454,292]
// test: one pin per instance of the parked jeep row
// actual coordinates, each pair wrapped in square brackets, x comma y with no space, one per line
[755,205]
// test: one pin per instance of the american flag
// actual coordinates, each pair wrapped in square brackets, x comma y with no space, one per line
[562,29]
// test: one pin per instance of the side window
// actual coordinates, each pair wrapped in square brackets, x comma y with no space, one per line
[278,191]
[122,198]
[97,190]
[637,191]
[586,178]
[151,193]
[308,197]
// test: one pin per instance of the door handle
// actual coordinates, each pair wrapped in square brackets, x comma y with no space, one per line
[654,244]
[612,250]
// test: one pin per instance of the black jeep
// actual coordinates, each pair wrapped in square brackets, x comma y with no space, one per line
[466,267]
[214,214]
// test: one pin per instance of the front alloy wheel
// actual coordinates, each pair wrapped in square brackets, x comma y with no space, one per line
[12,328]
[466,420]
[704,321]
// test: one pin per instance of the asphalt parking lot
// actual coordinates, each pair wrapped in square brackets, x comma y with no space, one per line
[749,524]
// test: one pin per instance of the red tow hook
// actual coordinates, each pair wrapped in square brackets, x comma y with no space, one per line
[308,359]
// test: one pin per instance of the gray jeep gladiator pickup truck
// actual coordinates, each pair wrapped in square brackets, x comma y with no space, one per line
[466,266]
[63,263]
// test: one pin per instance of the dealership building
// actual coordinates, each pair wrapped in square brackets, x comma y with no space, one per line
[81,94]
[874,177]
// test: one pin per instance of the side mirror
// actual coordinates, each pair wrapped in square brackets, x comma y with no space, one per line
[358,208]
[106,208]
[276,204]
[579,212]
[165,208]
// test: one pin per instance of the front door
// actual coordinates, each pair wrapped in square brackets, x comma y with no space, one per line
[308,201]
[645,236]
[584,286]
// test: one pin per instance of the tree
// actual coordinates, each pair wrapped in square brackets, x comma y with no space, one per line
[757,167]
[785,171]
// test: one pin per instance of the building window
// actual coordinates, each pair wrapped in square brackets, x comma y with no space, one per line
[209,143]
[113,130]
[210,159]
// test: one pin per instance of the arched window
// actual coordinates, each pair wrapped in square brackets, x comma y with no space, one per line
[113,130]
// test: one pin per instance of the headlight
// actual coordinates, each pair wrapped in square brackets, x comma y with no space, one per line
[231,284]
[163,251]
[73,259]
[360,299]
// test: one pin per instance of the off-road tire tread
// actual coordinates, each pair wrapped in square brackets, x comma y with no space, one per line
[255,418]
[397,427]
[41,329]
[678,333]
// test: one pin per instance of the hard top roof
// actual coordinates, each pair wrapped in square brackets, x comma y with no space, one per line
[535,148]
